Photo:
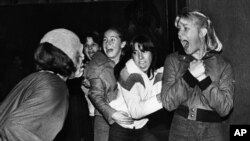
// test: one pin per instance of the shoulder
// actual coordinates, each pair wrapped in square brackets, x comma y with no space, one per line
[220,60]
[47,80]
[128,80]
[44,84]
[97,65]
[174,58]
[223,61]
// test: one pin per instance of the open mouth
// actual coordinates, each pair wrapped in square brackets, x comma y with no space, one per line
[91,53]
[109,50]
[185,44]
[142,64]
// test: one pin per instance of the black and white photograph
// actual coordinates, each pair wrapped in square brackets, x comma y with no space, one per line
[124,70]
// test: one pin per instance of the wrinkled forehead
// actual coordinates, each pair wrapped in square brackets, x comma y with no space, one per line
[65,40]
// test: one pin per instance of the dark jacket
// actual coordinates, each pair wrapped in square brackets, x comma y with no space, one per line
[103,89]
[214,93]
[77,125]
[35,109]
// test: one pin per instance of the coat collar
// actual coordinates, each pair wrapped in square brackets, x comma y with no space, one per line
[100,58]
[132,67]
[189,58]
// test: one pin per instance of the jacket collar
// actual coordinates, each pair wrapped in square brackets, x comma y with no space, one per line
[132,67]
[100,58]
[188,58]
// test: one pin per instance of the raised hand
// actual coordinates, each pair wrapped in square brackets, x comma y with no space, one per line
[197,68]
[86,83]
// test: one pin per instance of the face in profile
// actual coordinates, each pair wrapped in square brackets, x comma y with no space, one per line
[90,47]
[112,44]
[142,58]
[189,35]
[70,44]
[78,57]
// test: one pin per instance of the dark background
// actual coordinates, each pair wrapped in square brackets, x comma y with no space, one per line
[22,24]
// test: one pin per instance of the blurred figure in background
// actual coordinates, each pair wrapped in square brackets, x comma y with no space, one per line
[143,17]
[91,44]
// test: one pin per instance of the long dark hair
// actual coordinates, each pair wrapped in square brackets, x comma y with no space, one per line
[49,57]
[147,45]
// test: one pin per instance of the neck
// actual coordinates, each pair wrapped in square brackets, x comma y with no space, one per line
[62,77]
[117,58]
[200,53]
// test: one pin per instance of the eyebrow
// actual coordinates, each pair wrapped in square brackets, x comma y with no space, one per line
[113,36]
[184,24]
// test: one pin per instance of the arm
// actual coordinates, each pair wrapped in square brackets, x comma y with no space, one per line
[40,115]
[219,95]
[138,107]
[96,94]
[174,86]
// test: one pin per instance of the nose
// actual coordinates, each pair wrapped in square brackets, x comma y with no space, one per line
[179,34]
[140,54]
[90,47]
[109,42]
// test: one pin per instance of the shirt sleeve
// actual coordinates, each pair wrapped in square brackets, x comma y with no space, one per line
[40,115]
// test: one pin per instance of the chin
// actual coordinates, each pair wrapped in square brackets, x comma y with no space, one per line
[188,52]
[78,74]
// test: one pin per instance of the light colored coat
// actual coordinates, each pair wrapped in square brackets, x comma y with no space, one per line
[137,94]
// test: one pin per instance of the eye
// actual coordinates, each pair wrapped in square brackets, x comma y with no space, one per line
[186,28]
[134,52]
[94,44]
[113,40]
[105,40]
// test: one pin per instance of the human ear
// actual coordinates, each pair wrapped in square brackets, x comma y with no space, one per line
[123,44]
[203,32]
